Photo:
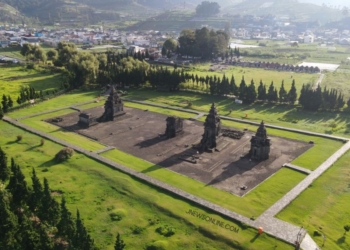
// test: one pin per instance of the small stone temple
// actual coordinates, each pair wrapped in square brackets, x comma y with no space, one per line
[113,106]
[86,120]
[260,144]
[212,127]
[174,125]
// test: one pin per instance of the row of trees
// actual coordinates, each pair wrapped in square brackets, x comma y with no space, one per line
[6,103]
[315,99]
[32,219]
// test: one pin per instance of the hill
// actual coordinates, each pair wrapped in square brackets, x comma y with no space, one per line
[292,10]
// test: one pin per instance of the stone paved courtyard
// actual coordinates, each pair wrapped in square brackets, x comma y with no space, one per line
[139,133]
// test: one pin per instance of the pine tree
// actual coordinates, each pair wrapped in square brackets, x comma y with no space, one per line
[4,103]
[251,93]
[261,91]
[17,185]
[19,100]
[49,210]
[8,223]
[282,94]
[65,226]
[119,243]
[302,96]
[233,86]
[1,112]
[82,239]
[242,91]
[29,237]
[10,102]
[271,93]
[4,169]
[292,94]
[35,200]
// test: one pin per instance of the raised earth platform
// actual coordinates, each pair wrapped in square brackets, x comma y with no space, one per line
[140,133]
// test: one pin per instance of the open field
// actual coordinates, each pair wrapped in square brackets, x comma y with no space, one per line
[335,123]
[13,78]
[267,76]
[282,52]
[324,206]
[98,191]
[339,81]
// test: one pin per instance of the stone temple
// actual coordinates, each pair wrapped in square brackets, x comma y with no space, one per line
[174,126]
[212,127]
[260,144]
[113,107]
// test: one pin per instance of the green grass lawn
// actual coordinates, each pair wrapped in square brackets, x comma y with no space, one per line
[65,100]
[267,76]
[160,110]
[335,123]
[73,138]
[338,81]
[13,78]
[98,191]
[324,206]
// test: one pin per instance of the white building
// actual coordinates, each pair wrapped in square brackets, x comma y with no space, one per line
[309,39]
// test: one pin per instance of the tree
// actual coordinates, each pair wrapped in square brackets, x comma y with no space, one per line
[8,223]
[261,91]
[36,196]
[49,210]
[17,185]
[52,55]
[207,8]
[65,226]
[251,93]
[4,103]
[1,112]
[170,44]
[4,169]
[271,93]
[292,94]
[27,49]
[119,243]
[282,94]
[10,102]
[242,89]
[82,239]
[164,51]
[346,228]
[39,54]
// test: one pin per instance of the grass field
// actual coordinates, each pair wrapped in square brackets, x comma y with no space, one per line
[13,78]
[66,100]
[338,81]
[267,76]
[335,123]
[324,206]
[99,192]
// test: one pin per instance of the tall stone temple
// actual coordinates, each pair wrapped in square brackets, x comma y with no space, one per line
[212,127]
[260,144]
[113,107]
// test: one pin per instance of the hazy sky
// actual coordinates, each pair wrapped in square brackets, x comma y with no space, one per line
[328,2]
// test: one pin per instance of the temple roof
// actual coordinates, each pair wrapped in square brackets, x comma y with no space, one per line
[261,132]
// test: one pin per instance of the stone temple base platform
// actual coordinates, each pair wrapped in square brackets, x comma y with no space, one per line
[139,133]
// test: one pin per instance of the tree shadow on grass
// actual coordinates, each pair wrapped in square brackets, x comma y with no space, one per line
[11,142]
[33,147]
[341,240]
[48,164]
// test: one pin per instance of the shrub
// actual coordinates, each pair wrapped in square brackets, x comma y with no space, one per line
[42,142]
[158,245]
[64,154]
[166,230]
[19,137]
[136,229]
[317,233]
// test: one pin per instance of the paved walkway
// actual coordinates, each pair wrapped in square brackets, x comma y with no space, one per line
[319,81]
[297,168]
[200,115]
[104,150]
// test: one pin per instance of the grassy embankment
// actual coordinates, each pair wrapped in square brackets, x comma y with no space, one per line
[13,78]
